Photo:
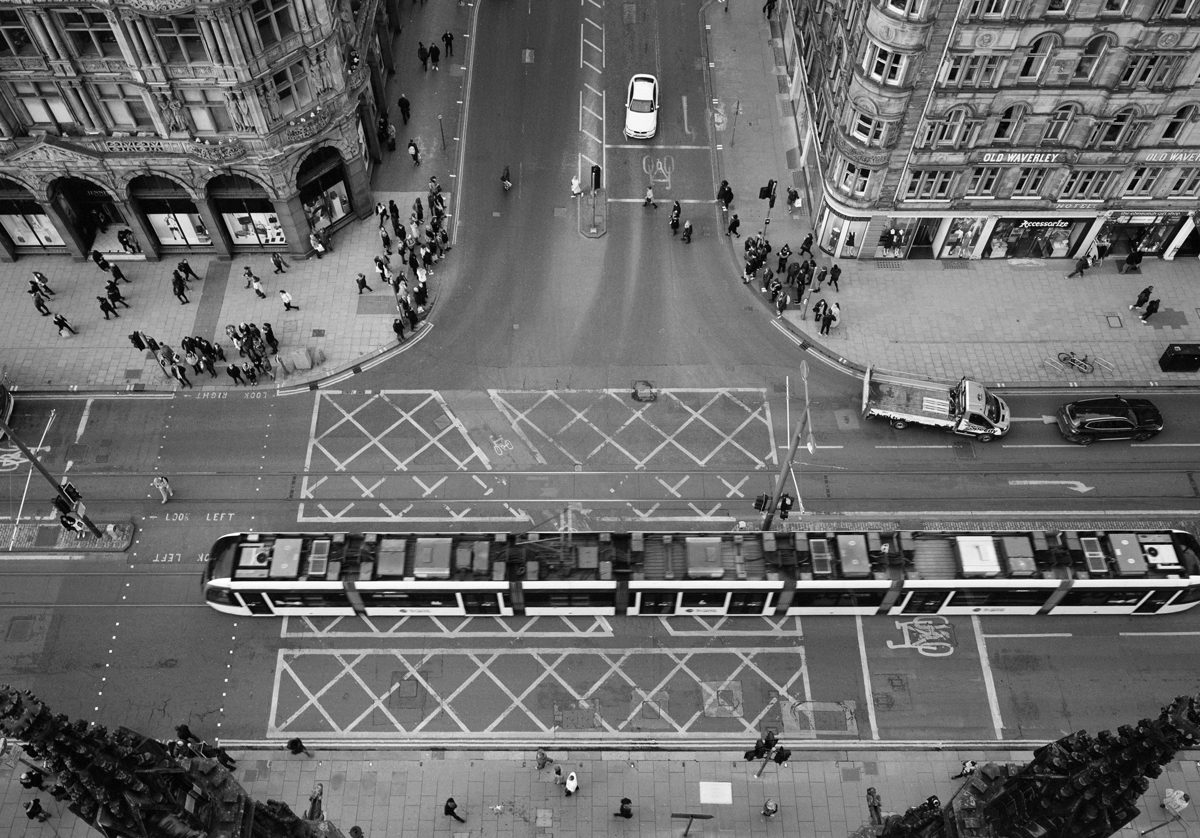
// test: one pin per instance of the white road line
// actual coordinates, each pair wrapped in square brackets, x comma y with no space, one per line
[1035,636]
[866,677]
[83,420]
[592,90]
[913,446]
[1147,633]
[645,147]
[989,682]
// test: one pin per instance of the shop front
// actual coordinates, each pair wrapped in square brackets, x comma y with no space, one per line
[1037,238]
[1149,232]
[324,189]
[908,237]
[840,236]
[24,221]
[247,212]
[170,212]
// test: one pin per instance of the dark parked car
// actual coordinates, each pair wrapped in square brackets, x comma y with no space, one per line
[1112,417]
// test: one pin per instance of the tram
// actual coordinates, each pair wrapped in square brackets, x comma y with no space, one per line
[729,573]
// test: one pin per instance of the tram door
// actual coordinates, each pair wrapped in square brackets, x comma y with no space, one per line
[257,602]
[921,602]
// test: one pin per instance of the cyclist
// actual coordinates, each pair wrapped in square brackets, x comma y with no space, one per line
[504,179]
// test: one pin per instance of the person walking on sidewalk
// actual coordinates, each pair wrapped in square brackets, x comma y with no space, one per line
[164,488]
[398,328]
[257,285]
[114,294]
[448,42]
[1080,266]
[180,374]
[835,273]
[118,275]
[734,224]
[361,279]
[184,268]
[1142,298]
[178,290]
[725,196]
[287,301]
[385,240]
[435,55]
[235,372]
[40,283]
[626,809]
[269,337]
[451,810]
[34,811]
[784,253]
[39,302]
[571,785]
[405,107]
[296,747]
[423,56]
[1132,262]
[414,152]
[806,245]
[107,307]
[280,265]
[649,202]
[63,326]
[1151,310]
[687,232]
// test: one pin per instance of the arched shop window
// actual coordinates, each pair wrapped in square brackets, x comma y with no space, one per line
[246,211]
[170,211]
[323,188]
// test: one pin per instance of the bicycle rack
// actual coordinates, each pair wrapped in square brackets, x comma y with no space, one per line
[1100,362]
[1053,364]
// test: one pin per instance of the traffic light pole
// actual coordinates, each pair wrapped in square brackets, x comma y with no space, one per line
[769,513]
[36,463]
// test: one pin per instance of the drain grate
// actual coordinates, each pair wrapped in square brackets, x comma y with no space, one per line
[956,265]
[889,264]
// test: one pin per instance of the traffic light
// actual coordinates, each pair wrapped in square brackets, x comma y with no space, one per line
[595,177]
[71,492]
[62,506]
[771,739]
[782,755]
[767,193]
[785,504]
[761,502]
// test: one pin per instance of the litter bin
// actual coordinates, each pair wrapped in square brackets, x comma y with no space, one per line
[1180,357]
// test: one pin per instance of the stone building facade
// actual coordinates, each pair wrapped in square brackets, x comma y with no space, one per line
[207,126]
[998,129]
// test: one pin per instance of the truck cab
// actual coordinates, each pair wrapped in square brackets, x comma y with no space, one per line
[981,414]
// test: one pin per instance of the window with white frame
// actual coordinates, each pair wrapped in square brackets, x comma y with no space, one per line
[855,179]
[208,109]
[971,70]
[904,7]
[983,181]
[1089,59]
[293,88]
[274,20]
[955,129]
[179,39]
[1149,70]
[1187,184]
[1036,57]
[884,65]
[43,102]
[987,8]
[930,185]
[124,106]
[1173,8]
[1009,124]
[1177,124]
[89,34]
[871,130]
[1084,184]
[14,37]
[1059,124]
[1142,181]
[1030,182]
[1119,129]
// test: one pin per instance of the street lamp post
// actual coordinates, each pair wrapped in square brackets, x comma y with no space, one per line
[801,430]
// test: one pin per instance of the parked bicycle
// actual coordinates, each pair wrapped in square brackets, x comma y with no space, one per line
[1081,363]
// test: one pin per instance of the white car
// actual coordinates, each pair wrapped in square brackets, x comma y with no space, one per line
[641,107]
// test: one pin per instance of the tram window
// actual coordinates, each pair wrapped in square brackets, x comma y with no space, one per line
[832,598]
[703,599]
[569,599]
[410,599]
[488,603]
[1102,597]
[656,602]
[308,599]
[221,596]
[748,603]
[996,597]
[925,602]
[1187,595]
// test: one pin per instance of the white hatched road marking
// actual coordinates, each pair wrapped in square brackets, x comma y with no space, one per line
[507,628]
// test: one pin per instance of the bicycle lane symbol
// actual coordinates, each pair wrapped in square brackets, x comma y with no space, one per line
[12,459]
[932,636]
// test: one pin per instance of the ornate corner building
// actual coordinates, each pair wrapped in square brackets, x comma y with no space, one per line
[998,129]
[209,126]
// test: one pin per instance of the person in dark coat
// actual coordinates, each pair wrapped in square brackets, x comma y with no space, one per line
[1142,298]
[1132,262]
[405,108]
[1151,310]
[398,328]
[269,337]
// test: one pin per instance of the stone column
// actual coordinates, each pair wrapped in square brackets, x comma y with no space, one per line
[70,235]
[142,231]
[295,224]
[221,242]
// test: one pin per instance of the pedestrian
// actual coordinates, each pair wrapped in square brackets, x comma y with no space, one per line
[398,328]
[287,301]
[414,152]
[391,136]
[34,810]
[649,202]
[687,232]
[967,769]
[451,810]
[104,265]
[40,283]
[793,272]
[793,199]
[674,224]
[164,488]
[1151,309]
[179,372]
[39,302]
[784,253]
[118,275]
[1175,801]
[1103,243]
[571,785]
[806,245]
[234,372]
[296,747]
[257,285]
[1132,262]
[626,809]
[423,56]
[186,269]
[1080,266]
[316,244]
[724,192]
[107,307]
[576,187]
[770,807]
[386,240]
[280,265]
[361,279]
[818,311]
[248,275]
[781,302]
[559,779]
[448,42]
[269,337]
[820,280]
[97,257]
[33,779]
[1142,298]
[734,224]
[411,313]
[63,326]
[250,373]
[114,294]
[875,806]
[179,291]
[835,273]
[435,55]
[405,107]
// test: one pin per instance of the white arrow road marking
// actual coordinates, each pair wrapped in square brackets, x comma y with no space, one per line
[1073,485]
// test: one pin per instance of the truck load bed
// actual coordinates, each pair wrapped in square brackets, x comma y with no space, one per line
[916,400]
